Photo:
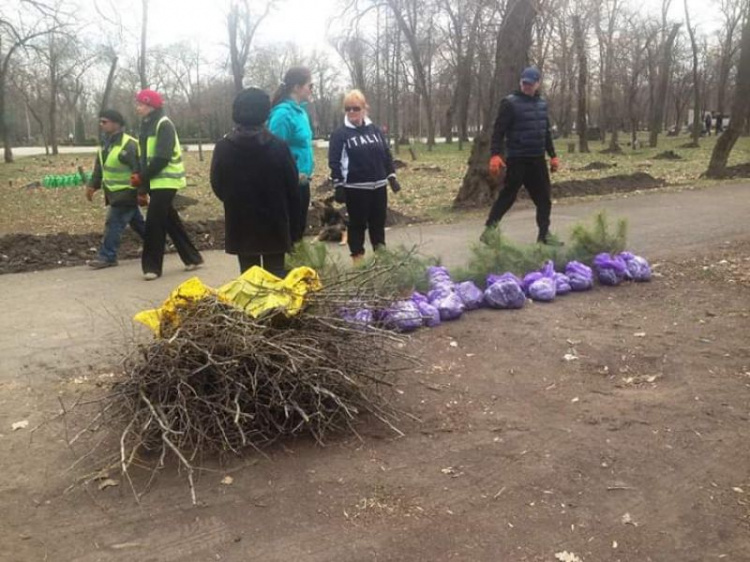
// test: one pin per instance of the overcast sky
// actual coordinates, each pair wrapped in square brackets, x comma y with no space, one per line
[306,22]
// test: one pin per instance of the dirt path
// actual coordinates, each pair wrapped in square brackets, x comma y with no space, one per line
[633,449]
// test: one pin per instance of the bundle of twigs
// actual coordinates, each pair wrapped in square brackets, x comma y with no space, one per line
[221,381]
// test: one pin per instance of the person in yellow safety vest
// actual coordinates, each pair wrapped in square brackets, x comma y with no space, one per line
[162,175]
[116,161]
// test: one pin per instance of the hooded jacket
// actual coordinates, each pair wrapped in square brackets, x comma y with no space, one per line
[359,157]
[253,173]
[289,121]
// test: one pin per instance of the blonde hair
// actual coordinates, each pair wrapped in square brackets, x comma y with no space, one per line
[356,96]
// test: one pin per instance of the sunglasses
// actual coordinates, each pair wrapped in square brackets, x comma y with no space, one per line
[352,109]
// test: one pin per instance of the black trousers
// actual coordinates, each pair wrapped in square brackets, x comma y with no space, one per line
[304,205]
[273,263]
[532,174]
[367,210]
[162,219]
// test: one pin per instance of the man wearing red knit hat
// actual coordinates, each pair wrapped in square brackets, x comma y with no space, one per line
[162,174]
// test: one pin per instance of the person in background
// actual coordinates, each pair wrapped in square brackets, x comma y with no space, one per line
[162,174]
[522,120]
[289,121]
[707,124]
[253,173]
[116,161]
[361,166]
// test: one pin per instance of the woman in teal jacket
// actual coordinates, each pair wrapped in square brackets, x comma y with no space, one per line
[290,122]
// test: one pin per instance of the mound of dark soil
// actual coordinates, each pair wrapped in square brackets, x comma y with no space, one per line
[597,166]
[622,183]
[668,155]
[28,252]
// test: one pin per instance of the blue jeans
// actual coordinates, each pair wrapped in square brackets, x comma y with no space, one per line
[117,219]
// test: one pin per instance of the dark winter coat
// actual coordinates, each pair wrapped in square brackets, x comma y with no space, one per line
[523,121]
[359,157]
[254,175]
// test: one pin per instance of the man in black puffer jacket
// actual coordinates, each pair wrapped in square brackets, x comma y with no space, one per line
[254,174]
[522,120]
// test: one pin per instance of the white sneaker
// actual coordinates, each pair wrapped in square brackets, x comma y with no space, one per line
[150,276]
[193,266]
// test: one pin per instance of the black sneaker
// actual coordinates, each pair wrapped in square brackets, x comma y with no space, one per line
[101,264]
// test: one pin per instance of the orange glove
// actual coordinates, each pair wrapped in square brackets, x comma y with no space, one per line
[90,193]
[135,179]
[142,199]
[496,164]
[554,164]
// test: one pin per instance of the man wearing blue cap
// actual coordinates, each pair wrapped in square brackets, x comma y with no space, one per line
[521,137]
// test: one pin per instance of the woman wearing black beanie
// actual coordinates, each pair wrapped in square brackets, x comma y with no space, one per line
[253,173]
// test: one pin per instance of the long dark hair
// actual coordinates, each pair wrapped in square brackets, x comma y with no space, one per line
[295,76]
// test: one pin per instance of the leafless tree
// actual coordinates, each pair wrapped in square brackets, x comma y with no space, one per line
[740,109]
[242,25]
[607,23]
[514,39]
[414,20]
[732,12]
[697,120]
[583,76]
[658,101]
[32,21]
[143,54]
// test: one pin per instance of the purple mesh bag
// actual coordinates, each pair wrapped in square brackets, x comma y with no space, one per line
[580,275]
[470,295]
[494,278]
[543,290]
[610,270]
[438,275]
[449,306]
[505,294]
[548,270]
[529,279]
[562,284]
[638,268]
[430,314]
[403,316]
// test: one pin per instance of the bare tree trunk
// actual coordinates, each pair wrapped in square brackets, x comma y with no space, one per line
[449,113]
[4,131]
[697,114]
[408,28]
[511,56]
[740,110]
[659,101]
[110,83]
[583,77]
[142,61]
[396,92]
[53,88]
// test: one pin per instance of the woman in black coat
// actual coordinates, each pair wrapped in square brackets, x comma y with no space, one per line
[254,175]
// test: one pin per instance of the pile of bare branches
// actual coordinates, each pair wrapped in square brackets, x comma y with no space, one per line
[221,381]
